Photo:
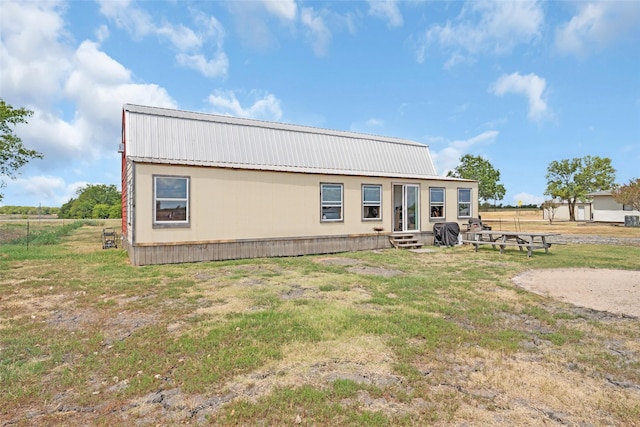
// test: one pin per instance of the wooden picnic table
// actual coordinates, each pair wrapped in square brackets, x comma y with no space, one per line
[522,239]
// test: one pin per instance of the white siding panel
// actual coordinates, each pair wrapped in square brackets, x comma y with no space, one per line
[172,136]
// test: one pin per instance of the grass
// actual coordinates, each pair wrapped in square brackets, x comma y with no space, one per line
[87,337]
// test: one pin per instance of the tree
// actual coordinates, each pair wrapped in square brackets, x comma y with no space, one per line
[479,169]
[100,210]
[628,194]
[550,207]
[13,154]
[93,201]
[572,180]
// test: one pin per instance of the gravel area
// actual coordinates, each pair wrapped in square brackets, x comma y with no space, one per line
[613,291]
[594,239]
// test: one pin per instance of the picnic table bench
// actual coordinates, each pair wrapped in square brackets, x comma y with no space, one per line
[522,239]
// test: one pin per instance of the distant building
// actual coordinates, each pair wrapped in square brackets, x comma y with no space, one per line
[582,211]
[606,209]
[199,187]
[600,207]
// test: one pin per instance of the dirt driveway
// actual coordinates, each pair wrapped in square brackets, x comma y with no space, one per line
[613,291]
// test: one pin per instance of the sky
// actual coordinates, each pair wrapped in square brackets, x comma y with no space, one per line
[519,83]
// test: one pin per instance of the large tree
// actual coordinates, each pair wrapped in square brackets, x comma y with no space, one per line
[573,179]
[628,194]
[93,201]
[13,153]
[481,170]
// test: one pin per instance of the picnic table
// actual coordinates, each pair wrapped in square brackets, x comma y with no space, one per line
[522,239]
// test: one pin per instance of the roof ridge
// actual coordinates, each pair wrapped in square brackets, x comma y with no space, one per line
[242,121]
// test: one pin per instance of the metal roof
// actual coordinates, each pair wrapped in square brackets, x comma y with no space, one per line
[600,193]
[160,135]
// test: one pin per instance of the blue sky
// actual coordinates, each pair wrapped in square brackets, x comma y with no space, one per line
[518,83]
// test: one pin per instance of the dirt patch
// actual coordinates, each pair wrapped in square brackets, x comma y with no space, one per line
[374,271]
[358,269]
[613,291]
[337,261]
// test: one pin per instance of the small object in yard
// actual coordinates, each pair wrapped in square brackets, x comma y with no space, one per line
[109,238]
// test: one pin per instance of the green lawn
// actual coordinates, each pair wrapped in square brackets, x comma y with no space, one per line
[367,338]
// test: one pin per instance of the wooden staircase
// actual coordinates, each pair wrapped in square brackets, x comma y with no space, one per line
[405,241]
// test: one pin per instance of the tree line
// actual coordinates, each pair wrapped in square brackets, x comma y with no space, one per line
[28,210]
[92,202]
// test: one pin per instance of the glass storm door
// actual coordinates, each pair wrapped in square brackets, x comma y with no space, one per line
[406,207]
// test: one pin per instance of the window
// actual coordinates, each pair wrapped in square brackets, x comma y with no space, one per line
[371,202]
[464,202]
[331,202]
[627,207]
[436,203]
[171,200]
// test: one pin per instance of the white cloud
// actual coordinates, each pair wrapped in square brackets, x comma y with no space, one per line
[317,30]
[285,9]
[58,140]
[44,188]
[99,86]
[207,67]
[387,10]
[255,28]
[484,26]
[102,33]
[597,25]
[33,52]
[187,41]
[263,107]
[448,158]
[75,92]
[530,85]
[183,38]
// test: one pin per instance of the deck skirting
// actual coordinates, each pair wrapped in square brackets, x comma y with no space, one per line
[175,253]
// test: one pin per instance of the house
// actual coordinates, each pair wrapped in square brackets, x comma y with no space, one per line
[581,211]
[606,209]
[199,187]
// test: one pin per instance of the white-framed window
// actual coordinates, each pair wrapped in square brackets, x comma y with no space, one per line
[436,203]
[464,203]
[170,200]
[331,201]
[371,202]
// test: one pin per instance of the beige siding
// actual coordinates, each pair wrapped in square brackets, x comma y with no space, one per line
[236,204]
[606,209]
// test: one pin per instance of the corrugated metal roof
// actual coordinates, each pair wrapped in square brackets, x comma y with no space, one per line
[179,137]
